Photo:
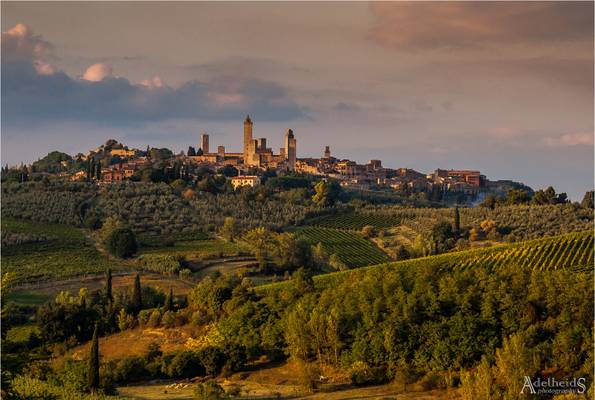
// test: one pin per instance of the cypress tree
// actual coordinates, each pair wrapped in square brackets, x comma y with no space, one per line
[457,221]
[108,285]
[94,361]
[169,301]
[137,302]
[98,171]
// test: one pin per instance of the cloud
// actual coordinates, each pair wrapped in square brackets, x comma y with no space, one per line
[20,44]
[98,72]
[430,25]
[571,139]
[154,83]
[44,68]
[35,92]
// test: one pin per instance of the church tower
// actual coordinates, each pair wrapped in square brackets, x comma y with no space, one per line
[290,149]
[247,138]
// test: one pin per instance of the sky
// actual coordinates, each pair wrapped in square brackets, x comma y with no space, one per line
[506,88]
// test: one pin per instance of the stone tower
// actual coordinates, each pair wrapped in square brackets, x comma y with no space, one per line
[327,152]
[204,143]
[290,149]
[247,138]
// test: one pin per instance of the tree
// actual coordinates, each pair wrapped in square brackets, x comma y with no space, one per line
[108,285]
[326,193]
[169,301]
[109,225]
[457,221]
[137,301]
[122,243]
[98,170]
[230,229]
[93,373]
[489,202]
[209,390]
[368,231]
[588,199]
[290,252]
[517,196]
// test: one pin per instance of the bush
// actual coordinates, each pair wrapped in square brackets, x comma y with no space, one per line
[121,243]
[169,319]
[184,364]
[154,319]
[209,390]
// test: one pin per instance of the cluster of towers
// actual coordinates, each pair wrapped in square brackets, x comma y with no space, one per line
[256,152]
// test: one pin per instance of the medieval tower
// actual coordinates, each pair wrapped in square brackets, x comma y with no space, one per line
[247,138]
[204,143]
[290,149]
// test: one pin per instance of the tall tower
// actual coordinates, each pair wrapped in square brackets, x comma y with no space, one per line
[327,152]
[204,143]
[290,149]
[247,138]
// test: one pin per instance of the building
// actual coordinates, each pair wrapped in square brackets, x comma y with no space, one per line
[246,180]
[204,143]
[123,152]
[290,150]
[247,138]
[327,152]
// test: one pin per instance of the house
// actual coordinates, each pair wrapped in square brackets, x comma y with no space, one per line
[245,180]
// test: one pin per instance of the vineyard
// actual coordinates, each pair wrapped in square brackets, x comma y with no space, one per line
[518,222]
[66,252]
[351,248]
[355,221]
[570,251]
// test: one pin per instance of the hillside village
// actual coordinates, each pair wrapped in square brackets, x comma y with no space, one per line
[115,162]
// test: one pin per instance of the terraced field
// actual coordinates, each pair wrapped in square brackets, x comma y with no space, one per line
[355,221]
[58,251]
[351,247]
[570,251]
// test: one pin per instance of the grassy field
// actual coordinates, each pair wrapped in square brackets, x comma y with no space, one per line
[281,382]
[40,295]
[351,247]
[194,249]
[66,252]
[573,250]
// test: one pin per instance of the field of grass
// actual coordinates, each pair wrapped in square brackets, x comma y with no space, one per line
[197,249]
[66,252]
[573,250]
[40,295]
[351,247]
[19,334]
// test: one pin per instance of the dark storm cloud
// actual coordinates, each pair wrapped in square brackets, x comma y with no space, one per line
[34,92]
[428,25]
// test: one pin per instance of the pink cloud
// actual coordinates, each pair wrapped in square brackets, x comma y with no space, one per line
[571,139]
[226,99]
[44,68]
[20,43]
[417,25]
[154,83]
[97,72]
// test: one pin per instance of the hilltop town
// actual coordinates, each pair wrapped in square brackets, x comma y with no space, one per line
[115,162]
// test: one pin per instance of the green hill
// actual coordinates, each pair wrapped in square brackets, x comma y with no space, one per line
[573,250]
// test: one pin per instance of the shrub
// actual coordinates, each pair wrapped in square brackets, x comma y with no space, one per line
[169,319]
[184,364]
[154,319]
[121,242]
[209,390]
[368,231]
